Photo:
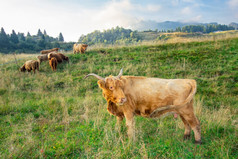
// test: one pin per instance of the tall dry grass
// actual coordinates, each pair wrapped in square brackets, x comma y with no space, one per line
[6,58]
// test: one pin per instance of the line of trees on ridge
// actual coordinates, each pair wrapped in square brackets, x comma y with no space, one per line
[120,35]
[19,43]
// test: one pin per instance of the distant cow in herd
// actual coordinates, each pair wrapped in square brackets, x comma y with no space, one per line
[79,48]
[59,56]
[128,96]
[30,65]
[53,63]
[50,50]
[42,58]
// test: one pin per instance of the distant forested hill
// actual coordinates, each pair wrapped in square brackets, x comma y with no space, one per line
[171,25]
[120,35]
[152,25]
[234,25]
[19,43]
[204,28]
[111,36]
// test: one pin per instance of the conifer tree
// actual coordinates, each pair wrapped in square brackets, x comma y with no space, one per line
[28,34]
[45,32]
[14,37]
[61,38]
[4,41]
[3,36]
[21,36]
[39,33]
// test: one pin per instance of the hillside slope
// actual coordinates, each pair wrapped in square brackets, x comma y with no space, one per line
[59,114]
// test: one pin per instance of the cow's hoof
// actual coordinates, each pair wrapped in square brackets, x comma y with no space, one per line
[198,142]
[186,137]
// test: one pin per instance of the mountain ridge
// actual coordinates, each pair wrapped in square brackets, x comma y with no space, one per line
[168,25]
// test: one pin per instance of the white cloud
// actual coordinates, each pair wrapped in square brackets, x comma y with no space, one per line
[186,10]
[233,3]
[189,1]
[175,2]
[153,8]
[113,14]
[197,18]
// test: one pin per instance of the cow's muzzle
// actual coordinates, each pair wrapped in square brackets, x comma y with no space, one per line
[121,101]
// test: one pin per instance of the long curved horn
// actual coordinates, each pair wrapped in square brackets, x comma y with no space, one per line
[120,74]
[92,74]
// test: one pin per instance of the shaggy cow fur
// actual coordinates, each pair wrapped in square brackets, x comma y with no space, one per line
[42,58]
[53,63]
[59,56]
[30,65]
[65,58]
[50,50]
[79,48]
[150,97]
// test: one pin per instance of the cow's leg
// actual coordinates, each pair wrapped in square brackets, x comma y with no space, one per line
[34,70]
[118,125]
[187,128]
[195,125]
[55,66]
[119,120]
[29,70]
[130,125]
[188,114]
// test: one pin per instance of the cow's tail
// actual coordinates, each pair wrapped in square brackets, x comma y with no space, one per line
[162,110]
[193,85]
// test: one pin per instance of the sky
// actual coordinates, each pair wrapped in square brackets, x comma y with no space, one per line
[76,17]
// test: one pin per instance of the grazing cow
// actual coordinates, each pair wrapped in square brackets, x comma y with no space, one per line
[50,50]
[30,65]
[53,63]
[59,56]
[43,57]
[150,97]
[65,58]
[79,48]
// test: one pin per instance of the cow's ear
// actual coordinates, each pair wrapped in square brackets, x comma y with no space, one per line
[101,84]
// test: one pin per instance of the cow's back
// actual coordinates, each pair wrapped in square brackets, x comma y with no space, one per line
[150,93]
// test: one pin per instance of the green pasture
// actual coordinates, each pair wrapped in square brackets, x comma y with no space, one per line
[60,114]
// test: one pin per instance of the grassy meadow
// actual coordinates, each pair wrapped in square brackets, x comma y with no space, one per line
[60,114]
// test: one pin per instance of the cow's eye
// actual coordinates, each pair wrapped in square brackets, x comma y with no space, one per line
[111,88]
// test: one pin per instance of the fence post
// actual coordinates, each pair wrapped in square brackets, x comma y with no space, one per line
[16,60]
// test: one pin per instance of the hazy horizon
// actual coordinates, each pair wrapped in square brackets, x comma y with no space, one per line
[76,17]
